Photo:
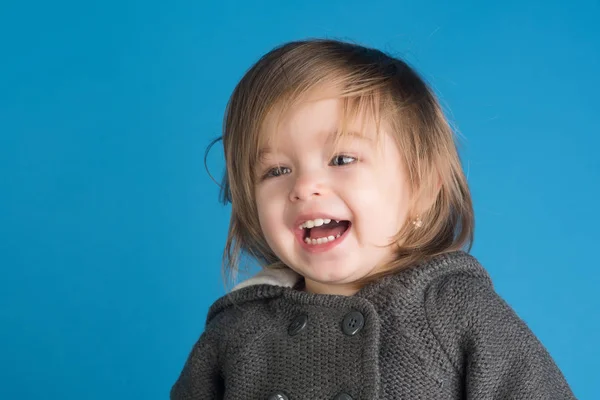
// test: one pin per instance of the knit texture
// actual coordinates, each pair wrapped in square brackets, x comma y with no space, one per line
[434,331]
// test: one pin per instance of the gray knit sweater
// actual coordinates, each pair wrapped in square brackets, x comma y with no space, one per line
[435,331]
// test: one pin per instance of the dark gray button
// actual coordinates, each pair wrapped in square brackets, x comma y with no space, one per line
[342,396]
[278,396]
[298,324]
[353,322]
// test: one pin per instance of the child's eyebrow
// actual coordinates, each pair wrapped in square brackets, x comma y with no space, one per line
[265,151]
[354,135]
[350,136]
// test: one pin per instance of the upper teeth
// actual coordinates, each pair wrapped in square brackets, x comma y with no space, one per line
[314,222]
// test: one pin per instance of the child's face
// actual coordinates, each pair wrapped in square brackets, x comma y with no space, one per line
[364,183]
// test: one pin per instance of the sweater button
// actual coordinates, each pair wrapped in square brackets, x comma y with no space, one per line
[353,322]
[298,325]
[278,396]
[342,396]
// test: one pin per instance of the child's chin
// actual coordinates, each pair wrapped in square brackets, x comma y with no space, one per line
[333,275]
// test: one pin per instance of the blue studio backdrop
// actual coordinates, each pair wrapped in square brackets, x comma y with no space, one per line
[110,228]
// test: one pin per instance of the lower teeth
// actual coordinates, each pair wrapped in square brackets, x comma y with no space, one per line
[321,240]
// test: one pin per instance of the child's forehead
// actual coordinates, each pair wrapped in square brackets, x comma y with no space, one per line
[330,121]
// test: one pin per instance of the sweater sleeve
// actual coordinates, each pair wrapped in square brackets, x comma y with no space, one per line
[494,352]
[200,378]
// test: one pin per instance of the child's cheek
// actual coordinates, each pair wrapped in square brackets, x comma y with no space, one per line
[359,174]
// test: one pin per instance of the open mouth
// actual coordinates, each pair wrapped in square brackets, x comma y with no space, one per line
[326,231]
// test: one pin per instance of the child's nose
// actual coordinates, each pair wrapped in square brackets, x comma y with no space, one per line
[305,187]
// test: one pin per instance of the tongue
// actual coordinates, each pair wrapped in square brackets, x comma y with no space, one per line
[331,229]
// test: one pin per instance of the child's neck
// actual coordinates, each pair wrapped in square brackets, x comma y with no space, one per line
[319,288]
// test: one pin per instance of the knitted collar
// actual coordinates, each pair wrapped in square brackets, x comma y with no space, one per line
[285,277]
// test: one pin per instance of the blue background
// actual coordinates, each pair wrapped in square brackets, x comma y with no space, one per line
[110,229]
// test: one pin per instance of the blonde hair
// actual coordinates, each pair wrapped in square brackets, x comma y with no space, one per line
[367,81]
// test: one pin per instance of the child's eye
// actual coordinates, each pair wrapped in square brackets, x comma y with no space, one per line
[342,160]
[277,171]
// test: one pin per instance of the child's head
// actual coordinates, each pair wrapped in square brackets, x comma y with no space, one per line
[323,131]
